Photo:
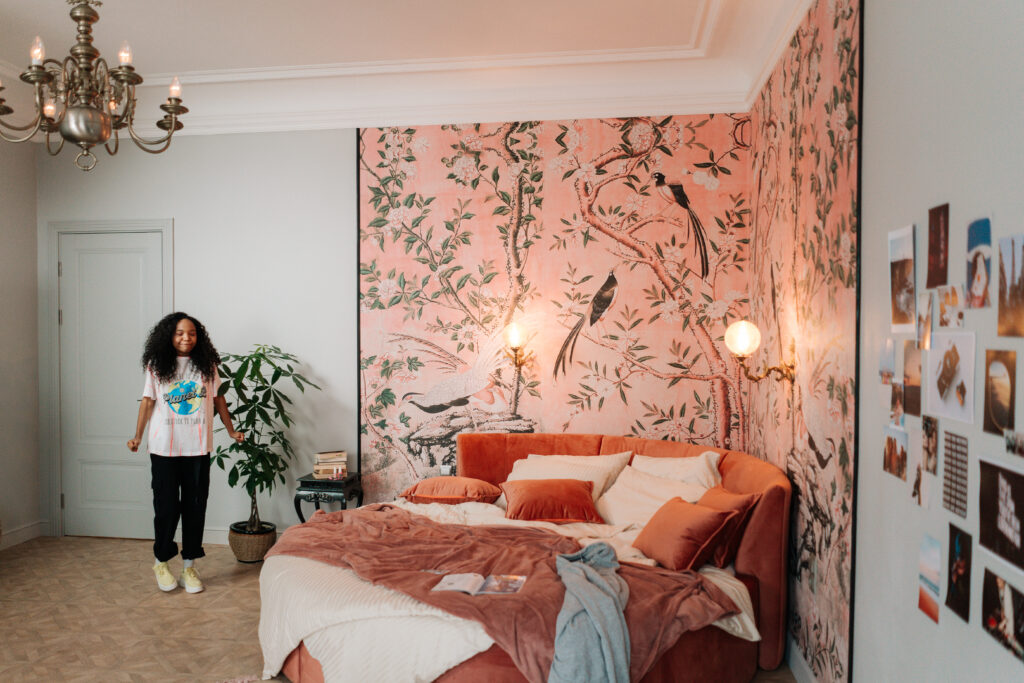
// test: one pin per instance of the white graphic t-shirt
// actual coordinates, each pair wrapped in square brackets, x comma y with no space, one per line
[182,420]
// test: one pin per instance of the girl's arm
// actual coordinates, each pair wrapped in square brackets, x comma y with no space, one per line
[221,406]
[145,412]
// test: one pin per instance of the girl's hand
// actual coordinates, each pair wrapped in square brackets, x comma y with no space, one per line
[133,445]
[239,437]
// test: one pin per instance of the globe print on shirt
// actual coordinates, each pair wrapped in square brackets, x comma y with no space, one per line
[185,397]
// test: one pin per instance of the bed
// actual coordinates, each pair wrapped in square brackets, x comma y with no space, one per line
[323,622]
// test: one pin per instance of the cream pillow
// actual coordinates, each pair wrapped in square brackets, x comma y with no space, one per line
[701,469]
[551,468]
[636,496]
[615,462]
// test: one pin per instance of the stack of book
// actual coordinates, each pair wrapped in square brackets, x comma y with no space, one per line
[331,465]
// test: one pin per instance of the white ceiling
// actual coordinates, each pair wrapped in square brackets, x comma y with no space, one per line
[313,64]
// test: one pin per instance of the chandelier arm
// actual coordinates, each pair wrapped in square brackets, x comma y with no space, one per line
[145,143]
[28,136]
[117,143]
[53,152]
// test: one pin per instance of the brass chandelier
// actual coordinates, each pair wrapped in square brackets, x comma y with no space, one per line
[94,101]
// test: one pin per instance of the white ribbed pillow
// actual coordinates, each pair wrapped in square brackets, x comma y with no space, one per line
[701,469]
[614,462]
[557,468]
[636,496]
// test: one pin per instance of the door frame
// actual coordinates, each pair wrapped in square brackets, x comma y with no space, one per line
[49,344]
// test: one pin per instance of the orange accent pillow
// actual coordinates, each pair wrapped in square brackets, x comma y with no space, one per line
[740,503]
[560,501]
[682,535]
[451,491]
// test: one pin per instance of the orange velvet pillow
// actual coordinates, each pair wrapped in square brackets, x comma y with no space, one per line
[551,500]
[740,503]
[682,535]
[451,491]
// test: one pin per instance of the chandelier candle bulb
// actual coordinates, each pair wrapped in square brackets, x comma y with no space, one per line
[124,56]
[175,89]
[49,109]
[37,52]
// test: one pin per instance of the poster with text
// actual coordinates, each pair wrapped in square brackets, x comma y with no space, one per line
[924,320]
[1000,390]
[929,574]
[1011,286]
[1000,506]
[958,569]
[938,245]
[901,279]
[950,376]
[979,260]
[911,378]
[1002,613]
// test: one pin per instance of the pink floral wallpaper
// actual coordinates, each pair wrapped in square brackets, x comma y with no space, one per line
[622,248]
[803,297]
[593,237]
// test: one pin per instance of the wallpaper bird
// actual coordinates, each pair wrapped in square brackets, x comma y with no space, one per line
[599,305]
[675,194]
[475,381]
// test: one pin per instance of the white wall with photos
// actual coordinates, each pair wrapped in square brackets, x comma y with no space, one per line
[941,130]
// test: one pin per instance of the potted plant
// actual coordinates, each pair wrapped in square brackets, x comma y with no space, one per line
[260,410]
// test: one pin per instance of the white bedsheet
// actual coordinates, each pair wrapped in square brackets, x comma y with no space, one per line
[352,627]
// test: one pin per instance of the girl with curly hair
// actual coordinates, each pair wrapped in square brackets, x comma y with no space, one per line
[180,396]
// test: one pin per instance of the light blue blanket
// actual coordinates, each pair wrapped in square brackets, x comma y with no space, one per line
[591,638]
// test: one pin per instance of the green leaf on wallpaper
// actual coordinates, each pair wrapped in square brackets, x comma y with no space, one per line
[494,174]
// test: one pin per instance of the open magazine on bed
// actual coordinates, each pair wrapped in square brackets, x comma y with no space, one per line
[475,584]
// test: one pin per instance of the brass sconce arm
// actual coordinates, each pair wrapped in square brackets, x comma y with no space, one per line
[781,371]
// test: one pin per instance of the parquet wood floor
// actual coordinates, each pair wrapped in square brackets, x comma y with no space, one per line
[88,609]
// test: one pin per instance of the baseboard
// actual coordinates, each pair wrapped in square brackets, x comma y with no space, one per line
[215,535]
[25,532]
[797,664]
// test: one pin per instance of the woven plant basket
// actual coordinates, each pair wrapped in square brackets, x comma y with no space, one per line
[251,546]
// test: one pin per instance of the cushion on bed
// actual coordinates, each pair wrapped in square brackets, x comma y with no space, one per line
[560,501]
[682,535]
[451,490]
[614,462]
[743,505]
[701,469]
[557,468]
[636,496]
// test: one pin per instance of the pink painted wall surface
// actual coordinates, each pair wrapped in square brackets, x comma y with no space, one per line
[464,229]
[803,297]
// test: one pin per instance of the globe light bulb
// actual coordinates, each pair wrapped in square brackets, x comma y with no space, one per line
[742,338]
[515,339]
[49,109]
[175,89]
[124,55]
[37,52]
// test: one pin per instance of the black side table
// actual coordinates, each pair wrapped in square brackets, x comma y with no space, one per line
[318,491]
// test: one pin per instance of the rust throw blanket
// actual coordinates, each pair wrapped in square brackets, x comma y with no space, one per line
[407,553]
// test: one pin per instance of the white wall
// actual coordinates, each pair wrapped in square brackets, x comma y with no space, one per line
[943,84]
[19,398]
[264,252]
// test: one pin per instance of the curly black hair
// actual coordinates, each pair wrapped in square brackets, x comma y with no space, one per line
[161,357]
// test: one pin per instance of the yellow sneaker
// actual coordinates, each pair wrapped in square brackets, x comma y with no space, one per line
[189,580]
[164,577]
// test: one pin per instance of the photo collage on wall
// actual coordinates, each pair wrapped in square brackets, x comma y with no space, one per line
[937,381]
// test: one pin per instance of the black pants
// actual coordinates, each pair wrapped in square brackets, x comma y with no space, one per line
[181,486]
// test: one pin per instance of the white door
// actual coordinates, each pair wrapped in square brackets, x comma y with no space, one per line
[111,294]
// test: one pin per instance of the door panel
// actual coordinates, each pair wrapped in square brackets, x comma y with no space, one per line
[111,293]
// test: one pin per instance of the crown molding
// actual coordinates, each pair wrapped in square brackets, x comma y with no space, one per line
[377,115]
[796,17]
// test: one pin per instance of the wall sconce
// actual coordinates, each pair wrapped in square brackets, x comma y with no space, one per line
[742,338]
[519,359]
